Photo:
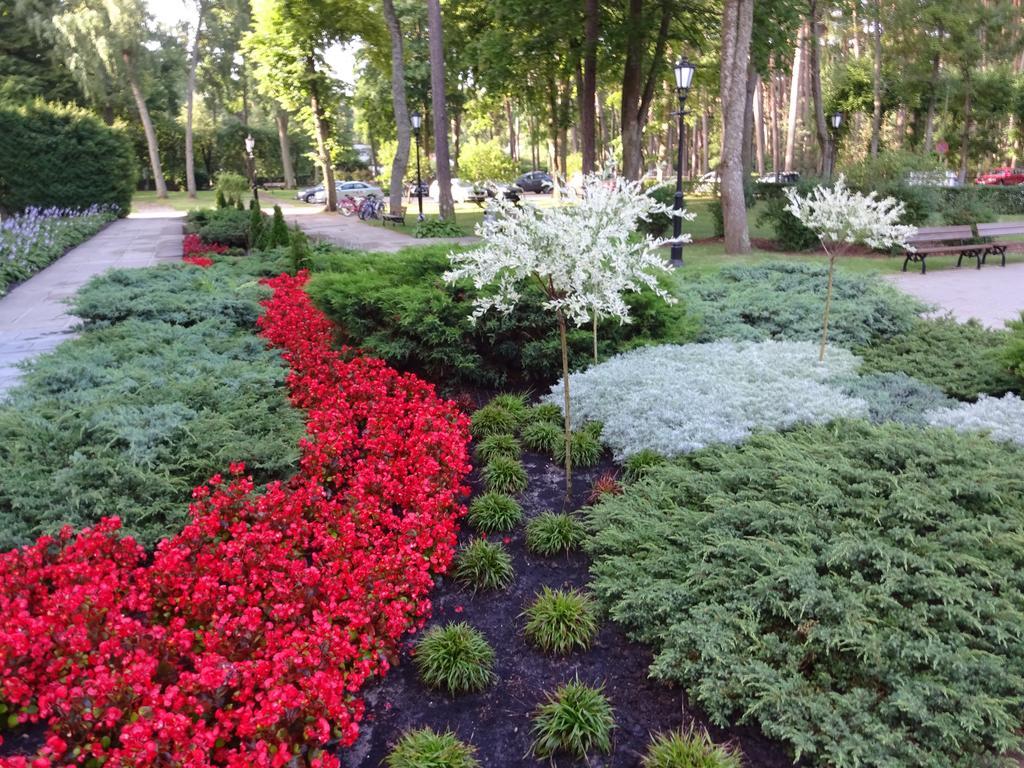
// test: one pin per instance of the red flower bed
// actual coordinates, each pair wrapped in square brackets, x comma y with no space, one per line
[195,251]
[247,638]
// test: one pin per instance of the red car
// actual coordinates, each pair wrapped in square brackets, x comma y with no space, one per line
[1002,177]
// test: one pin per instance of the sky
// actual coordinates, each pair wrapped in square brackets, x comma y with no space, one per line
[341,59]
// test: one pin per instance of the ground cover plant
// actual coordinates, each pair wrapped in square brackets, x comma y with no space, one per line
[166,384]
[36,237]
[401,309]
[455,658]
[895,397]
[1012,353]
[783,300]
[1002,418]
[246,638]
[864,610]
[732,389]
[961,359]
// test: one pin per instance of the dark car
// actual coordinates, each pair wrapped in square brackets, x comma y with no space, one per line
[779,177]
[536,181]
[511,192]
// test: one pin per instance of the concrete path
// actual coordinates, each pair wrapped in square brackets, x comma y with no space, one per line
[350,232]
[33,316]
[992,294]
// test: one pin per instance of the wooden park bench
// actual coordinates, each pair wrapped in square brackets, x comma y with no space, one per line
[396,216]
[957,239]
[996,230]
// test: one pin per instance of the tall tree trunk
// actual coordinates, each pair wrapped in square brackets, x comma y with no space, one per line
[322,136]
[588,96]
[748,122]
[759,127]
[513,142]
[705,144]
[193,65]
[457,134]
[794,96]
[147,127]
[965,136]
[776,138]
[281,118]
[814,65]
[399,105]
[445,206]
[737,25]
[638,91]
[929,122]
[876,80]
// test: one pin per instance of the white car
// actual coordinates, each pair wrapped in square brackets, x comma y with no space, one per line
[349,189]
[462,191]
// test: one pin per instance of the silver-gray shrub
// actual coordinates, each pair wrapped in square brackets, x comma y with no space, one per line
[896,397]
[677,399]
[1001,417]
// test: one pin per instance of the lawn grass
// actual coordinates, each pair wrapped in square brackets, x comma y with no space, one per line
[207,198]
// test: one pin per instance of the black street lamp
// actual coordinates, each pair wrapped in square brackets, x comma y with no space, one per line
[250,146]
[684,76]
[417,120]
[835,121]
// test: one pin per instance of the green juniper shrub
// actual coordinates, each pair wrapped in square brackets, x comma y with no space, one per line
[221,200]
[494,513]
[874,588]
[229,226]
[575,720]
[424,748]
[638,464]
[455,658]
[495,446]
[239,205]
[493,419]
[298,250]
[504,475]
[401,309]
[550,533]
[545,412]
[256,234]
[277,234]
[961,359]
[1011,354]
[543,436]
[586,449]
[689,749]
[561,620]
[483,564]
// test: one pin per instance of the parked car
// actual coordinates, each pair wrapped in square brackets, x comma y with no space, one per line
[510,192]
[356,189]
[536,181]
[411,190]
[307,194]
[1001,177]
[462,191]
[779,177]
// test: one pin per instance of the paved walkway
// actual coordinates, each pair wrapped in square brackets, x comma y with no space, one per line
[33,316]
[350,232]
[992,294]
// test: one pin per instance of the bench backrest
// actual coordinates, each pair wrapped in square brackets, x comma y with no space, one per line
[941,234]
[1001,228]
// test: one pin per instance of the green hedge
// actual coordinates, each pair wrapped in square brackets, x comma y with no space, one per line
[398,307]
[167,384]
[54,155]
[857,591]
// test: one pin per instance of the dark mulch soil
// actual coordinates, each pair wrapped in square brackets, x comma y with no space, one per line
[498,720]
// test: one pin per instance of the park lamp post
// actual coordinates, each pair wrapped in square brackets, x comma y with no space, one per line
[684,77]
[836,122]
[417,120]
[250,146]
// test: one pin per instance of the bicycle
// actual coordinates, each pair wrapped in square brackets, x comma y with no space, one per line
[348,205]
[372,208]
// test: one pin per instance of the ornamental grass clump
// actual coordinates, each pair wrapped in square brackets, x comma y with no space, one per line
[504,475]
[842,218]
[575,720]
[455,658]
[561,621]
[483,564]
[860,576]
[493,419]
[543,436]
[495,446]
[584,257]
[689,749]
[550,533]
[424,748]
[545,412]
[494,513]
[637,465]
[586,449]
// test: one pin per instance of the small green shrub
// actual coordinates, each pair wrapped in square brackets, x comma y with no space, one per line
[298,250]
[543,436]
[561,621]
[790,233]
[455,658]
[586,449]
[494,513]
[1011,354]
[967,207]
[222,201]
[504,475]
[277,234]
[232,186]
[437,228]
[513,403]
[832,574]
[484,564]
[550,533]
[498,446]
[637,465]
[961,359]
[228,226]
[424,748]
[576,719]
[493,419]
[693,749]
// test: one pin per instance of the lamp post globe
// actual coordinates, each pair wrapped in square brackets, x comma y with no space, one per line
[417,120]
[835,121]
[683,71]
